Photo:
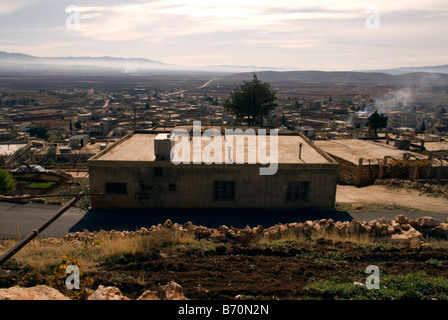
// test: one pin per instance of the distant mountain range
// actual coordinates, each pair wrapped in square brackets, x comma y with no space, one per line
[431,69]
[19,62]
[422,80]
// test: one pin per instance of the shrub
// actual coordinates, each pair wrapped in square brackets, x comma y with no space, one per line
[7,182]
[57,280]
[412,286]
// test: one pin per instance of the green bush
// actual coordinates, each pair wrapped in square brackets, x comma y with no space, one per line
[7,182]
[57,280]
[412,286]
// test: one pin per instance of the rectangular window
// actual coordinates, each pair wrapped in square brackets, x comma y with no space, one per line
[172,187]
[224,191]
[158,172]
[116,188]
[298,191]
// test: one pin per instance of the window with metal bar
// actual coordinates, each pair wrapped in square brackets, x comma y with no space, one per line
[224,190]
[298,191]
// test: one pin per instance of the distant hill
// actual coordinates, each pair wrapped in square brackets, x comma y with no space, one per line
[20,62]
[430,69]
[417,79]
[318,76]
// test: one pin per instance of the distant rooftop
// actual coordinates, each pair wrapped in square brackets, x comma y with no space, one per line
[9,149]
[353,149]
[79,136]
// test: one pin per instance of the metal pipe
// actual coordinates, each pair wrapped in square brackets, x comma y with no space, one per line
[64,195]
[5,257]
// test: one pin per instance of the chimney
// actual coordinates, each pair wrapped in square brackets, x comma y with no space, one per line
[162,146]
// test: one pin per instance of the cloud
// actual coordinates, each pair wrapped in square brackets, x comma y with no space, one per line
[320,33]
[164,19]
[160,20]
[12,6]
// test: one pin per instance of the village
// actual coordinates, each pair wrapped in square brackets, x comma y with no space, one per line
[61,129]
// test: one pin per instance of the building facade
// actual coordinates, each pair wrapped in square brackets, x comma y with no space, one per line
[132,174]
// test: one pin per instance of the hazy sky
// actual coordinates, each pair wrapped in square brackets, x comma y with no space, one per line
[318,34]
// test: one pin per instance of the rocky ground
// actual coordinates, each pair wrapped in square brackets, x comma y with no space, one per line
[229,263]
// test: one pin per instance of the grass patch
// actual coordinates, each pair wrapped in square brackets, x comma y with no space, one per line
[321,255]
[435,263]
[288,237]
[412,286]
[166,238]
[334,235]
[38,255]
[41,185]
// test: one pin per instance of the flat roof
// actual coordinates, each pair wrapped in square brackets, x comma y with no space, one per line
[353,149]
[436,146]
[78,136]
[140,147]
[9,149]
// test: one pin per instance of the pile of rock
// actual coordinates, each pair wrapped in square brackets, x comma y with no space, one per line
[170,291]
[34,293]
[400,228]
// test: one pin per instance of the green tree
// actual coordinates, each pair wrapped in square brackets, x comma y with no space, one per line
[78,125]
[51,154]
[423,127]
[377,121]
[253,100]
[7,182]
[38,132]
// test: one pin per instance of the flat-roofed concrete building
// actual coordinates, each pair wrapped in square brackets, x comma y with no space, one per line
[137,172]
[364,161]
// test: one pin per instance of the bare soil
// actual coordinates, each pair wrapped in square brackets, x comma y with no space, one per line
[279,272]
[390,196]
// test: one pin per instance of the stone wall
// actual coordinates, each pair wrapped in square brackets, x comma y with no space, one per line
[355,174]
[366,171]
[401,228]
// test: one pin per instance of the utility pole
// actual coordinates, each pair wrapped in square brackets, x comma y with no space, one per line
[135,116]
[211,116]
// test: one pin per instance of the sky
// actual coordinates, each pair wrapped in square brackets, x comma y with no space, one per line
[290,34]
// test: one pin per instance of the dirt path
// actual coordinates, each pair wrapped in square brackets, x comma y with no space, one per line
[390,196]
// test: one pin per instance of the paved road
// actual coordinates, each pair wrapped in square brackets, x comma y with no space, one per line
[26,217]
[30,216]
